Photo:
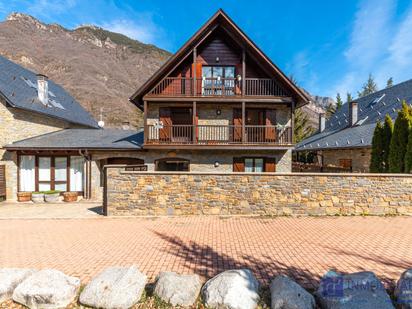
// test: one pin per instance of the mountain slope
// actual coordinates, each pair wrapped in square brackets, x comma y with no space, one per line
[98,67]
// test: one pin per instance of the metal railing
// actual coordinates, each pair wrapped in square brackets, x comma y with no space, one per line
[217,134]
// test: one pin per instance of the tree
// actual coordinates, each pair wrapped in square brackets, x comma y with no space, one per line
[376,164]
[386,142]
[348,97]
[408,155]
[339,101]
[389,82]
[369,87]
[302,129]
[399,140]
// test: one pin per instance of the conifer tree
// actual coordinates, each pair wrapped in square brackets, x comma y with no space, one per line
[389,82]
[376,164]
[386,142]
[408,155]
[349,97]
[399,140]
[339,101]
[302,128]
[369,87]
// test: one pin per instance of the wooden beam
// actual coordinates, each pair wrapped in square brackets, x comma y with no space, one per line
[194,71]
[292,109]
[243,72]
[217,99]
[145,121]
[194,113]
[243,122]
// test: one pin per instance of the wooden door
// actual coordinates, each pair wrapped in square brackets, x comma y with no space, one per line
[2,182]
[165,118]
[270,122]
[270,165]
[238,164]
[182,130]
[237,122]
[197,71]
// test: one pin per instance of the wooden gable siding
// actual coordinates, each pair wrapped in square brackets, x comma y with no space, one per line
[218,48]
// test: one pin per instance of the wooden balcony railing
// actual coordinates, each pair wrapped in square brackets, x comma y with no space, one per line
[216,87]
[217,135]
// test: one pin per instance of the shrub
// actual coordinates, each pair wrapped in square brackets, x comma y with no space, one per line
[376,165]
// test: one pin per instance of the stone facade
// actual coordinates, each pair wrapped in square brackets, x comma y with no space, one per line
[16,125]
[360,158]
[152,193]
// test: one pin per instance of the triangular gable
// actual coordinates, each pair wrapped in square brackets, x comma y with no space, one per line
[222,19]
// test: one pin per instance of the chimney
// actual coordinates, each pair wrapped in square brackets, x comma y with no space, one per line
[43,88]
[353,113]
[322,122]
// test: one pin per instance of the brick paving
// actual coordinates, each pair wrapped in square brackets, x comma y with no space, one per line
[303,248]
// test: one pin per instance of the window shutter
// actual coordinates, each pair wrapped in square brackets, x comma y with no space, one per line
[165,118]
[270,165]
[238,164]
[270,132]
[237,122]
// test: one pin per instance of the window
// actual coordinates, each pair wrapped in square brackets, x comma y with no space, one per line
[44,173]
[172,165]
[218,80]
[254,164]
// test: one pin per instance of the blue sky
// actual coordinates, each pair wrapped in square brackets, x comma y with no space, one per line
[329,46]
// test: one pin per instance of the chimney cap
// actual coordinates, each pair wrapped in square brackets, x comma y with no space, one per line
[42,76]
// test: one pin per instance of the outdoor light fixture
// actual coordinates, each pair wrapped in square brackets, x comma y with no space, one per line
[218,111]
[217,164]
[239,78]
[217,59]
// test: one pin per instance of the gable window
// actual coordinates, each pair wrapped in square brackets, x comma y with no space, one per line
[218,80]
[254,164]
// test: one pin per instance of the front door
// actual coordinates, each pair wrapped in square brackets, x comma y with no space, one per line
[52,173]
[181,119]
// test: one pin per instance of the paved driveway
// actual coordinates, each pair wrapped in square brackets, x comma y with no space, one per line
[304,248]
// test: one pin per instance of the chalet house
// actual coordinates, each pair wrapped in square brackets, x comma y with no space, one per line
[219,105]
[345,139]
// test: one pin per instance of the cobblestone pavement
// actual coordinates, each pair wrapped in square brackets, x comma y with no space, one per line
[304,248]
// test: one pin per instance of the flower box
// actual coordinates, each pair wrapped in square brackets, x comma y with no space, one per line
[37,197]
[70,197]
[24,196]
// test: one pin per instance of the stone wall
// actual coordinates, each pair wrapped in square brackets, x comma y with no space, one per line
[16,125]
[152,193]
[360,158]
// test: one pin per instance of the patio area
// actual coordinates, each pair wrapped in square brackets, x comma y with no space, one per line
[304,248]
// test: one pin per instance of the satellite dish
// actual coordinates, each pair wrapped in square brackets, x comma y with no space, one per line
[101,123]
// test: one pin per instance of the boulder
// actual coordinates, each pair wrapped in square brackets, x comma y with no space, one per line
[115,287]
[362,290]
[232,289]
[47,288]
[10,278]
[178,289]
[287,294]
[403,290]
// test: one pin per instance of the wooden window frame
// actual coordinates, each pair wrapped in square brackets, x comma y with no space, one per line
[266,160]
[171,159]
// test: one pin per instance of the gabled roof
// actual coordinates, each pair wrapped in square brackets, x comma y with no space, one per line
[371,109]
[219,18]
[18,87]
[75,139]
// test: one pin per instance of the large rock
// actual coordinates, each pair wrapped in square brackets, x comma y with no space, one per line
[403,291]
[47,288]
[115,287]
[361,290]
[9,279]
[232,289]
[287,294]
[178,289]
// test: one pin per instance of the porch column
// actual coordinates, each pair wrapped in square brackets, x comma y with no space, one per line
[243,121]
[292,110]
[243,71]
[145,129]
[194,123]
[194,71]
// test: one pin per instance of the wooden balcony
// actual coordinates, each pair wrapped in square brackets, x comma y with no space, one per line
[217,135]
[217,87]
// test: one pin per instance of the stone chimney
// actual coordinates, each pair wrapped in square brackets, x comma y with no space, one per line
[43,88]
[322,122]
[353,113]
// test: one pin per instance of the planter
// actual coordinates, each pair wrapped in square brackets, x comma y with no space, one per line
[52,197]
[24,196]
[37,197]
[70,197]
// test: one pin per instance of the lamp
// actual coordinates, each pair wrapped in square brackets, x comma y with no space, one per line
[218,111]
[217,59]
[217,164]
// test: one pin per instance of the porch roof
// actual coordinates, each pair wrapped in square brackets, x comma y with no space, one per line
[98,139]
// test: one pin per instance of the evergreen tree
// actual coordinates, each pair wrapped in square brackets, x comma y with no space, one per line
[339,101]
[389,82]
[408,155]
[399,140]
[302,129]
[376,165]
[369,87]
[386,142]
[348,97]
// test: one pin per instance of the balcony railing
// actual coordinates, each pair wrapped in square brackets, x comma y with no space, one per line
[217,135]
[216,87]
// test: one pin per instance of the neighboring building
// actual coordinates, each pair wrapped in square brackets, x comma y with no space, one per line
[346,138]
[219,105]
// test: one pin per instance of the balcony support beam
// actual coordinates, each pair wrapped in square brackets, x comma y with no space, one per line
[243,72]
[243,122]
[194,122]
[292,120]
[145,120]
[194,73]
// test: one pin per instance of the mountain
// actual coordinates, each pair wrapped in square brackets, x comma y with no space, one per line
[101,69]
